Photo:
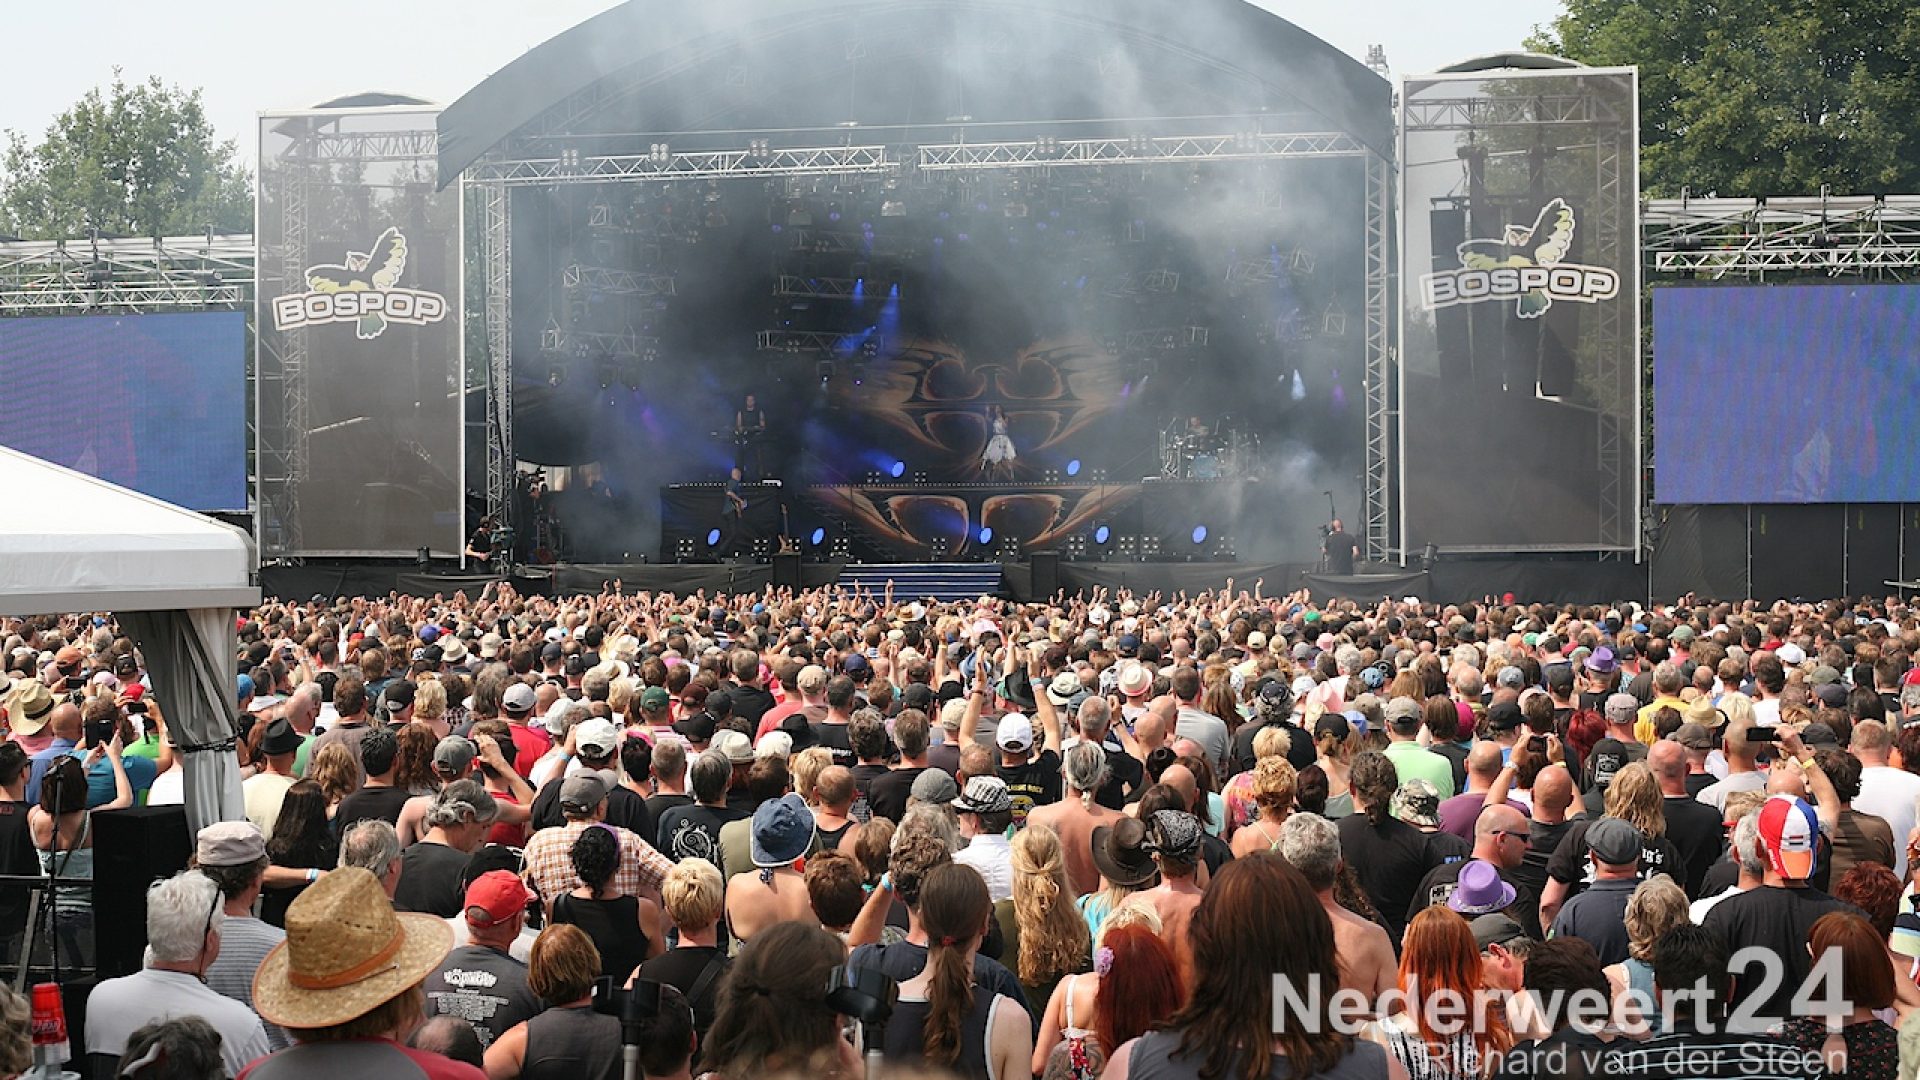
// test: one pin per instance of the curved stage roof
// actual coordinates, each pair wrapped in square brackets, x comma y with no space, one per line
[701,68]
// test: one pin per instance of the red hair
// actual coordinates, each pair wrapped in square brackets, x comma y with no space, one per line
[1584,730]
[1146,986]
[1440,955]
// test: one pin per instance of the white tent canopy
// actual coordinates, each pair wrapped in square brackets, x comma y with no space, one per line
[72,543]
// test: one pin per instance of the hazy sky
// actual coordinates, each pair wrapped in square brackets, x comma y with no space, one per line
[250,55]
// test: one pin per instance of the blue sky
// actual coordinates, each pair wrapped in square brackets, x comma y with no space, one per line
[250,55]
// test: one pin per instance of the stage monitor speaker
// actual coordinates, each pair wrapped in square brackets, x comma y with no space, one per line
[132,848]
[786,572]
[1046,573]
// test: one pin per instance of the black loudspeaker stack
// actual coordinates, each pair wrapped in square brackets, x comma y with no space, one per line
[132,848]
[1046,573]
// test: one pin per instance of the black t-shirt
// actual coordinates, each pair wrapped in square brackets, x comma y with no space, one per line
[689,832]
[1340,547]
[834,737]
[1542,839]
[368,803]
[1125,776]
[887,795]
[430,880]
[863,778]
[483,986]
[1777,920]
[1443,847]
[1036,783]
[1699,782]
[1694,827]
[681,968]
[1720,877]
[1438,886]
[750,703]
[657,807]
[1456,756]
[1570,864]
[1300,751]
[1389,860]
[626,809]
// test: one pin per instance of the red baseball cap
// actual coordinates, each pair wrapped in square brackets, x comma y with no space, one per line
[495,897]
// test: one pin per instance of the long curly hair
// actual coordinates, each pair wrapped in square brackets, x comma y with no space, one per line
[1054,940]
[413,762]
[1634,797]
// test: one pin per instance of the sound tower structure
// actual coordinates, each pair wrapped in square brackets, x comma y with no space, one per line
[1519,334]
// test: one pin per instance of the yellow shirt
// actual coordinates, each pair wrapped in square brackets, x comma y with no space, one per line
[1643,727]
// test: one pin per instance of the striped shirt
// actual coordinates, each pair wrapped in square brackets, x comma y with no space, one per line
[244,943]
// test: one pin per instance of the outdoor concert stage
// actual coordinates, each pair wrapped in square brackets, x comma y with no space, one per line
[1153,518]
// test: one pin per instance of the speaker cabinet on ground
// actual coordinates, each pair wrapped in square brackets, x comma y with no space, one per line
[1046,573]
[132,848]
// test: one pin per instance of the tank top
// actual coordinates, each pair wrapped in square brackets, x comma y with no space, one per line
[1640,981]
[71,862]
[505,833]
[1077,1039]
[614,926]
[830,838]
[906,1035]
[1154,1058]
[572,1044]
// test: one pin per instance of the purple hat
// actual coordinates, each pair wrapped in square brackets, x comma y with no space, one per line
[1480,890]
[1602,661]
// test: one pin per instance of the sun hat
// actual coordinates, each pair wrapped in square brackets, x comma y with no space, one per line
[1135,680]
[1479,890]
[229,843]
[453,650]
[1119,851]
[1064,688]
[1416,802]
[782,829]
[346,953]
[735,745]
[490,643]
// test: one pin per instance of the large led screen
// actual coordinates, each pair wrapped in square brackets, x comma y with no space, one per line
[156,403]
[1786,394]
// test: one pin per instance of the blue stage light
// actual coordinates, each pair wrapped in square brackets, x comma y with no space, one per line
[986,534]
[1101,534]
[819,537]
[713,537]
[898,469]
[1073,467]
[1199,534]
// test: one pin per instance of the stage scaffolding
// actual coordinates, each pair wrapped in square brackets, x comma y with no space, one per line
[488,183]
[1870,236]
[97,276]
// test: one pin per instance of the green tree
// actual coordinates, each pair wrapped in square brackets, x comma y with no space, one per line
[135,159]
[1761,97]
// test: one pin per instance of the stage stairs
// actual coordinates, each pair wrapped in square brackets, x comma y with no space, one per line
[921,581]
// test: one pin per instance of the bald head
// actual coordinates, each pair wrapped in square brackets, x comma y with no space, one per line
[1490,831]
[1668,760]
[1152,729]
[1187,748]
[1483,762]
[1181,779]
[65,721]
[1553,790]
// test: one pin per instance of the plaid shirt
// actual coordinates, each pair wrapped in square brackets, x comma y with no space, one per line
[549,859]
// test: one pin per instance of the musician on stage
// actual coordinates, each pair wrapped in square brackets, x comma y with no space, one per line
[733,510]
[480,544]
[998,462]
[1340,549]
[749,434]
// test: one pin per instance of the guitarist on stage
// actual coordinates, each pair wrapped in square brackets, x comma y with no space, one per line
[749,433]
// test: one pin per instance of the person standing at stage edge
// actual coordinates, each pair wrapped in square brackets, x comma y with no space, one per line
[1341,549]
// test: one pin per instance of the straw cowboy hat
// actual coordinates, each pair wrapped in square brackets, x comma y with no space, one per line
[346,954]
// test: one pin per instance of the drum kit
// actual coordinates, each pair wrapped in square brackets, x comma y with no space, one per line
[1191,454]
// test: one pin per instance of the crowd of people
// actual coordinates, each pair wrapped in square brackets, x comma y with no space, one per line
[1225,835]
